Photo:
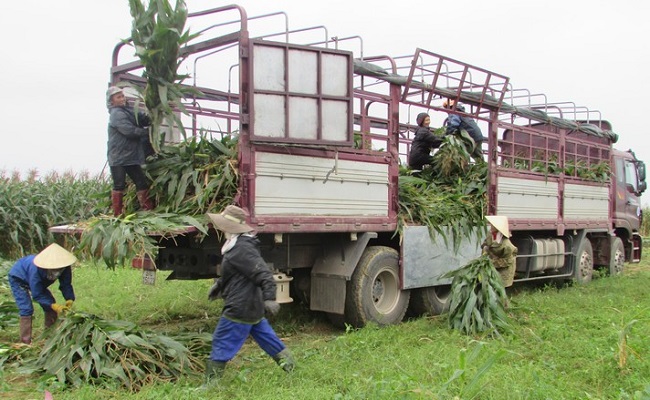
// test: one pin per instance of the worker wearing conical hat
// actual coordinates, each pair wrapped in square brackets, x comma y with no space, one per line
[29,279]
[501,251]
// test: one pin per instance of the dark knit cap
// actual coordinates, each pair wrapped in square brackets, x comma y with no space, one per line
[420,118]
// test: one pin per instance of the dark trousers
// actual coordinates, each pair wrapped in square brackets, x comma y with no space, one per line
[134,172]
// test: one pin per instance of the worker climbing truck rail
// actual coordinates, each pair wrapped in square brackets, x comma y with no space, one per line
[322,131]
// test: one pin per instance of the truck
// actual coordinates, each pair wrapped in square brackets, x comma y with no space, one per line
[325,204]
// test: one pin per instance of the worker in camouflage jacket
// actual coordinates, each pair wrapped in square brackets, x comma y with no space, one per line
[249,290]
[128,145]
[500,249]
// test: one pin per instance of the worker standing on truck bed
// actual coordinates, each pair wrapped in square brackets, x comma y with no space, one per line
[248,289]
[30,277]
[128,136]
[458,122]
[423,142]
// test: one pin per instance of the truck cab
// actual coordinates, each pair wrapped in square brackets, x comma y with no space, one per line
[628,183]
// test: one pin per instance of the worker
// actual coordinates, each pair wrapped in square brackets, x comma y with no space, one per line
[248,289]
[30,278]
[128,136]
[501,251]
[423,142]
[461,122]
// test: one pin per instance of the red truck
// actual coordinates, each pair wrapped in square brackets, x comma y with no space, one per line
[326,209]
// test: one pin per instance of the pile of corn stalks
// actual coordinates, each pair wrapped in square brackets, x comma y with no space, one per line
[449,197]
[87,349]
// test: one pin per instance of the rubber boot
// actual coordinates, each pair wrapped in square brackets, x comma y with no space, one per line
[285,360]
[117,202]
[50,318]
[26,330]
[213,372]
[146,203]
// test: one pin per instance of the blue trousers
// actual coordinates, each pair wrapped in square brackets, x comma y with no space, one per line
[229,337]
[22,295]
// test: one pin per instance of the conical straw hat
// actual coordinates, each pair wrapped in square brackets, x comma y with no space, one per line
[500,223]
[54,257]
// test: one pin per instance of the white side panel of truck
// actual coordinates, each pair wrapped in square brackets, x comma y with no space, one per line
[524,198]
[586,202]
[299,185]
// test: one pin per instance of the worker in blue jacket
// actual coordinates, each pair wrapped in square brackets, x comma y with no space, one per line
[461,122]
[29,279]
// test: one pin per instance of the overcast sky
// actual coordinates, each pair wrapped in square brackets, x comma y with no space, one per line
[56,57]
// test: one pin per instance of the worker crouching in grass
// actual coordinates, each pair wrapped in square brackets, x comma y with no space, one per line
[30,278]
[248,289]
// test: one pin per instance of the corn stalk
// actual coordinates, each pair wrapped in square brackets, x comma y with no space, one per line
[157,35]
[478,299]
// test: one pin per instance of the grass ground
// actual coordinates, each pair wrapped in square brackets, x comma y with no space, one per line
[576,342]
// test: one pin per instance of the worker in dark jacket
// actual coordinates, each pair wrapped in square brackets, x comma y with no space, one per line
[423,142]
[248,289]
[461,122]
[128,141]
[30,277]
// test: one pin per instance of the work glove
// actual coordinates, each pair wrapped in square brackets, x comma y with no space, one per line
[271,306]
[59,308]
[68,304]
[215,291]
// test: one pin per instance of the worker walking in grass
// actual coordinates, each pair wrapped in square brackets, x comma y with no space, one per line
[128,145]
[248,289]
[30,278]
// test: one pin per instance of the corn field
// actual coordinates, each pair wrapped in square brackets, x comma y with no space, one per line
[29,206]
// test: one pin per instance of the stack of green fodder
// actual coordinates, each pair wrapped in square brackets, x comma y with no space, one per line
[449,196]
[87,349]
[190,178]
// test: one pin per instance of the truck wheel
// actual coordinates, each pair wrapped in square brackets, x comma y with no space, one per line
[430,300]
[583,270]
[617,257]
[373,293]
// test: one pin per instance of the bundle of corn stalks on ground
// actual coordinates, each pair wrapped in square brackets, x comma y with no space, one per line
[88,349]
[478,299]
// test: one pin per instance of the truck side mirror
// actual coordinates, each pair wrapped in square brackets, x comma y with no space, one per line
[640,167]
[642,187]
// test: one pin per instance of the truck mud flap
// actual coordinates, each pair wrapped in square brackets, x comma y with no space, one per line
[331,272]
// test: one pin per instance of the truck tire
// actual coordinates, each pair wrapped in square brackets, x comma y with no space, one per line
[430,300]
[617,257]
[373,292]
[583,268]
